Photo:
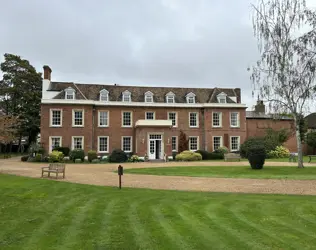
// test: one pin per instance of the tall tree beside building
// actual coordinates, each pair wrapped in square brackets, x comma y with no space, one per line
[285,72]
[183,142]
[20,91]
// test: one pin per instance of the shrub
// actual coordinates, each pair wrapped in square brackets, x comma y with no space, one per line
[279,152]
[78,161]
[76,154]
[104,158]
[256,156]
[204,154]
[92,155]
[56,156]
[38,157]
[215,156]
[134,158]
[222,150]
[188,156]
[95,161]
[118,156]
[250,142]
[24,158]
[41,151]
[64,150]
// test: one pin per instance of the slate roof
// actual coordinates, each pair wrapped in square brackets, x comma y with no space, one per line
[311,121]
[262,115]
[92,92]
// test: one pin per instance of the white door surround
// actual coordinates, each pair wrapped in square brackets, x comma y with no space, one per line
[155,146]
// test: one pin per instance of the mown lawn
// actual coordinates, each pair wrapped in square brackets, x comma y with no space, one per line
[44,214]
[308,173]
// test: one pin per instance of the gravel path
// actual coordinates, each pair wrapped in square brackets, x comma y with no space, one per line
[103,175]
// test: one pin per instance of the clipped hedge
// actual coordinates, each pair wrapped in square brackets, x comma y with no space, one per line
[64,150]
[56,156]
[92,155]
[203,153]
[188,156]
[77,154]
[257,156]
[118,156]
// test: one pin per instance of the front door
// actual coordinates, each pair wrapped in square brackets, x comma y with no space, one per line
[155,147]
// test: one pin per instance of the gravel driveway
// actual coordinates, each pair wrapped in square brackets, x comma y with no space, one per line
[99,174]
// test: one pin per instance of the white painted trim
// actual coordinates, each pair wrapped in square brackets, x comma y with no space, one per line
[177,143]
[198,143]
[51,118]
[123,119]
[144,104]
[72,141]
[150,112]
[50,142]
[238,119]
[70,91]
[108,143]
[221,144]
[103,126]
[128,94]
[122,138]
[175,126]
[73,118]
[230,143]
[197,119]
[220,120]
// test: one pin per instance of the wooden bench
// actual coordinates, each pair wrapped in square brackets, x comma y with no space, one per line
[293,157]
[55,168]
[310,157]
[232,156]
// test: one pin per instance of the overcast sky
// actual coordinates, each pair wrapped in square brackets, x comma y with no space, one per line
[189,43]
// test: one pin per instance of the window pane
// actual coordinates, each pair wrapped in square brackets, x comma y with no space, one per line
[193,119]
[104,97]
[78,118]
[127,147]
[150,115]
[234,119]
[234,143]
[170,99]
[216,142]
[148,98]
[56,117]
[216,119]
[127,119]
[103,118]
[126,98]
[174,143]
[55,142]
[193,141]
[77,142]
[173,116]
[103,144]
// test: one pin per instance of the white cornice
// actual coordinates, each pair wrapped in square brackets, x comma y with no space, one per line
[144,104]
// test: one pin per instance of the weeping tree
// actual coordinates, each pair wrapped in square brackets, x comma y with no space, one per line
[285,73]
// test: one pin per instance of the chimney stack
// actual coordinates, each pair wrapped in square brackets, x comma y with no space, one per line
[260,107]
[47,72]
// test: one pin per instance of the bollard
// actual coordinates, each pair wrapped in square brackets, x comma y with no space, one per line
[120,173]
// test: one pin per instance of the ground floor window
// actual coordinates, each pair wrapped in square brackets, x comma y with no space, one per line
[174,143]
[193,143]
[234,143]
[217,142]
[55,142]
[127,143]
[103,144]
[77,142]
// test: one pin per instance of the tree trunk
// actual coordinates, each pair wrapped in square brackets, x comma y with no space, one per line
[299,145]
[20,141]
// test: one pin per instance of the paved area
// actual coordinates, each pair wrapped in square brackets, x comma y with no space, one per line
[102,174]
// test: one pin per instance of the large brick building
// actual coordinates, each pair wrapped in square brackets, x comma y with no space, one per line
[140,119]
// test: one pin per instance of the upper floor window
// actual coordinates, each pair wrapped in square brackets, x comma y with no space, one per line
[193,119]
[77,142]
[217,142]
[170,97]
[126,96]
[149,97]
[56,118]
[104,95]
[193,143]
[173,117]
[103,118]
[221,98]
[234,119]
[77,118]
[190,97]
[126,119]
[150,115]
[69,93]
[217,119]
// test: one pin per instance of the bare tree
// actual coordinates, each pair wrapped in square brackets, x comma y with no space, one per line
[285,72]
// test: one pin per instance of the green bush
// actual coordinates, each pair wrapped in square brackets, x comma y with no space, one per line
[204,154]
[222,150]
[56,156]
[118,156]
[38,157]
[77,161]
[104,158]
[188,156]
[215,156]
[95,161]
[24,158]
[256,156]
[92,155]
[76,154]
[279,152]
[133,158]
[250,142]
[64,150]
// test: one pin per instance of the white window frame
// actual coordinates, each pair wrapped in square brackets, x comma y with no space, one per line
[170,95]
[126,94]
[51,117]
[154,115]
[177,147]
[104,93]
[176,118]
[190,96]
[150,95]
[230,143]
[108,144]
[72,142]
[230,119]
[221,142]
[220,120]
[122,116]
[221,97]
[99,119]
[131,143]
[70,91]
[73,117]
[197,119]
[51,144]
[197,141]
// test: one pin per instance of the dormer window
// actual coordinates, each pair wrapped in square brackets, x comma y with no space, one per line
[190,98]
[104,95]
[170,97]
[149,97]
[126,96]
[221,98]
[69,94]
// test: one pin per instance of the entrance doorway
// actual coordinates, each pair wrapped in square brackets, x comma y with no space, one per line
[155,147]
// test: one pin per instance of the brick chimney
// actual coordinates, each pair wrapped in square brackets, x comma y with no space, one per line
[47,72]
[260,107]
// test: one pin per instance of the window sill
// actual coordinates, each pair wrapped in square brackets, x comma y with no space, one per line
[234,126]
[217,127]
[103,126]
[56,126]
[103,152]
[76,126]
[194,127]
[127,126]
